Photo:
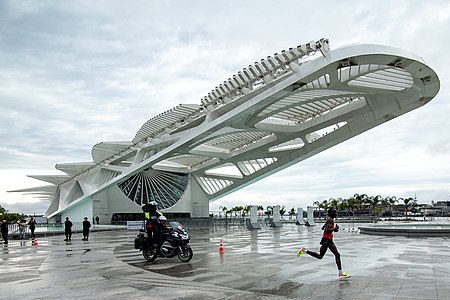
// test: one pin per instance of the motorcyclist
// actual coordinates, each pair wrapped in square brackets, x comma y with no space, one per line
[165,227]
[165,230]
[152,225]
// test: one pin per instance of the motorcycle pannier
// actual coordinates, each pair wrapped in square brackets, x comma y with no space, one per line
[139,242]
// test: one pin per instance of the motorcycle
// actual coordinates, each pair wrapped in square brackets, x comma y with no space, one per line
[175,243]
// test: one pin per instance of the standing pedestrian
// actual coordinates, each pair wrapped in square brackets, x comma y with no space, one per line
[32,224]
[327,243]
[22,228]
[4,229]
[68,229]
[97,219]
[86,226]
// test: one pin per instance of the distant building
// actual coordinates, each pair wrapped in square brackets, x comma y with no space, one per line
[438,208]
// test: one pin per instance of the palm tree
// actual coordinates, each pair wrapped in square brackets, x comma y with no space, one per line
[361,200]
[391,201]
[237,209]
[325,205]
[361,205]
[351,204]
[291,213]
[259,209]
[269,211]
[225,211]
[367,202]
[282,210]
[240,209]
[384,204]
[401,199]
[407,201]
[316,204]
[246,210]
[373,201]
[2,210]
[343,205]
[333,202]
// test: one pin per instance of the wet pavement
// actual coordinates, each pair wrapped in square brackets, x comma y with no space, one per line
[258,264]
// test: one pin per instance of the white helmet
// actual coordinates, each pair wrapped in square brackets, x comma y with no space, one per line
[162,218]
[149,207]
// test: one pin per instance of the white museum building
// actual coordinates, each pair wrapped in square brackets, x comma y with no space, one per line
[270,115]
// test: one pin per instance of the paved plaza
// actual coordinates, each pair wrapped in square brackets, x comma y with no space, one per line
[258,264]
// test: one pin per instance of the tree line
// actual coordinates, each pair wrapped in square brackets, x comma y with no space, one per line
[9,217]
[245,210]
[356,205]
[360,204]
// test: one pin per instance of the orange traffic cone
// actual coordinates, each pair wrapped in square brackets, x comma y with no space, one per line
[221,249]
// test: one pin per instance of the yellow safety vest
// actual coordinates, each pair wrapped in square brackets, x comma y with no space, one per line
[147,214]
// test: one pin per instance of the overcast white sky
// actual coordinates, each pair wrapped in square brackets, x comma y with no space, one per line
[75,73]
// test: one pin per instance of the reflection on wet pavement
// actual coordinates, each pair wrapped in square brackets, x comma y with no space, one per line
[256,264]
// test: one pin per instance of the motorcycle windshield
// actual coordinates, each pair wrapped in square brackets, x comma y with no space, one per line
[175,225]
[178,227]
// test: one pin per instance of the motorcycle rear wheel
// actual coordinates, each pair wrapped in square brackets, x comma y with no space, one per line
[149,254]
[185,254]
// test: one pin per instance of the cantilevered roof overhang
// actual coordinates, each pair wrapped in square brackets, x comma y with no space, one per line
[267,117]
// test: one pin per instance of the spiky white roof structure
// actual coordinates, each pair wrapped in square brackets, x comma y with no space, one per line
[267,117]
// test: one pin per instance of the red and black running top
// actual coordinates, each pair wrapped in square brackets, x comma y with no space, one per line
[328,228]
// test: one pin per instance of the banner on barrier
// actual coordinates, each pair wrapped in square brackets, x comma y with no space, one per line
[135,225]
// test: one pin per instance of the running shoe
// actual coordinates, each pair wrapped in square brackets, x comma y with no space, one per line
[344,275]
[301,251]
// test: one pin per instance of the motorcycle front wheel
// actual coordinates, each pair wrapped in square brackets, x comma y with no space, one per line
[185,254]
[149,254]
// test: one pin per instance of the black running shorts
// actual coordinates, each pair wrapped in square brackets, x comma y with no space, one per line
[327,242]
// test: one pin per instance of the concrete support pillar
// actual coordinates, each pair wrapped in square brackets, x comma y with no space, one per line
[300,220]
[276,220]
[310,219]
[253,223]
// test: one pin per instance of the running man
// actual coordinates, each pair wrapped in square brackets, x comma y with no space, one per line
[327,242]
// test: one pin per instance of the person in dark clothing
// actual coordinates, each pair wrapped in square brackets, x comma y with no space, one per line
[97,219]
[86,226]
[32,225]
[68,229]
[327,242]
[152,224]
[165,230]
[4,230]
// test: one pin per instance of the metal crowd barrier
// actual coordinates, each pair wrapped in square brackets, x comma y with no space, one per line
[58,228]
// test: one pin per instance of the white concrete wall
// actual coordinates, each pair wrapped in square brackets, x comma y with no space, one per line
[113,200]
[299,216]
[100,208]
[194,200]
[78,212]
[310,211]
[276,214]
[253,214]
[119,203]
